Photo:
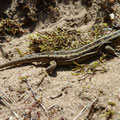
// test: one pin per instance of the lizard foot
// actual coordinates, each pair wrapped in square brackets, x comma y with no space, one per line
[110,50]
[51,67]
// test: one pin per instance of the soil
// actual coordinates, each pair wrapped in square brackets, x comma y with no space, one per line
[63,96]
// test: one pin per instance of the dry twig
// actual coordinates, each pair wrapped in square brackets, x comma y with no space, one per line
[85,109]
[33,94]
[8,106]
[6,97]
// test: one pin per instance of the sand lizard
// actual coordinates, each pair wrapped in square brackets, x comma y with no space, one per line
[67,57]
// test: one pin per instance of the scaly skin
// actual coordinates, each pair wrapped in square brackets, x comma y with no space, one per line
[67,57]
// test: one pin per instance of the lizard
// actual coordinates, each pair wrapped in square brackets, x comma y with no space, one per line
[80,55]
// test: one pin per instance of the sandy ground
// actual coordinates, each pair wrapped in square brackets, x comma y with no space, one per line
[64,95]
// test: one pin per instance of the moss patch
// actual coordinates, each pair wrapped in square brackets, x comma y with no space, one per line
[10,27]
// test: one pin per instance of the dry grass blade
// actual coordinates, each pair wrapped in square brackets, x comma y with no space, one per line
[6,97]
[8,106]
[85,109]
[33,94]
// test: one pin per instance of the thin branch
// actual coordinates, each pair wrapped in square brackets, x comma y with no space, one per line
[85,109]
[6,97]
[8,106]
[33,94]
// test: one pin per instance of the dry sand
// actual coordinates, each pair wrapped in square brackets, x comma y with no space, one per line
[73,92]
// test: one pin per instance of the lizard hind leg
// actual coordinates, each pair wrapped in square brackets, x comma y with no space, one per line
[51,67]
[110,50]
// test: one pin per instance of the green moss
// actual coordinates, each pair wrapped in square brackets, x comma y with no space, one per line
[90,68]
[108,113]
[97,29]
[10,27]
[52,41]
[63,39]
[19,52]
[111,103]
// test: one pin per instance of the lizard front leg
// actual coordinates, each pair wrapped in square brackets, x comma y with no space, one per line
[51,67]
[110,50]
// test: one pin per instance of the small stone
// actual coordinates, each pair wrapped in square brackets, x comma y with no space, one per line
[112,16]
[21,90]
[10,88]
[111,1]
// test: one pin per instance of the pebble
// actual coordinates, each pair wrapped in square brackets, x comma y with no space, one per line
[111,1]
[112,16]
